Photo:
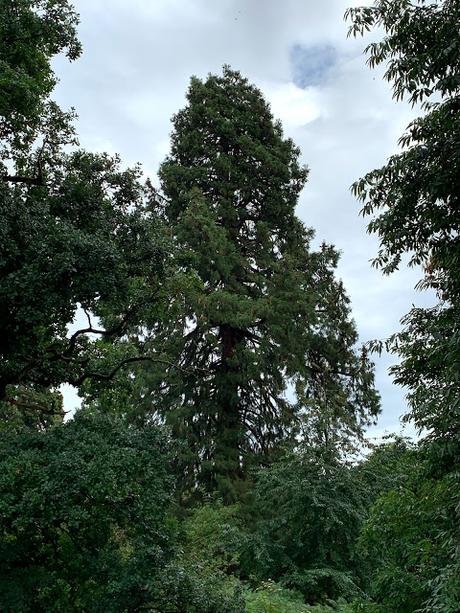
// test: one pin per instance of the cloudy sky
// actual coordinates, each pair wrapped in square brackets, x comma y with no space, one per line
[137,61]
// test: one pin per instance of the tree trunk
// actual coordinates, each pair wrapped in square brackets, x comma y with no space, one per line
[228,461]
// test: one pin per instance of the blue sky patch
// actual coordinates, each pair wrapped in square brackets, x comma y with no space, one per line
[310,65]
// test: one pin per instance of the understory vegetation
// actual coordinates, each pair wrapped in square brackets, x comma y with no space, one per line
[219,462]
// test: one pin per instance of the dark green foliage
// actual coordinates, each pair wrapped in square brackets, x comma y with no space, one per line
[83,517]
[87,239]
[414,204]
[184,591]
[420,44]
[32,407]
[295,541]
[31,33]
[254,307]
[414,199]
[215,537]
[415,567]
[77,229]
[386,467]
[212,540]
[274,598]
[85,527]
[277,599]
[307,539]
[242,342]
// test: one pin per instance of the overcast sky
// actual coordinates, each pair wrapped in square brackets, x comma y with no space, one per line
[137,62]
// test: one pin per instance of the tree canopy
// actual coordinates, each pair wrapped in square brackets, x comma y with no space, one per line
[78,230]
[414,204]
[72,519]
[218,462]
[32,32]
[413,199]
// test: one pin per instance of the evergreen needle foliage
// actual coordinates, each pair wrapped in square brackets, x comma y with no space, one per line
[254,306]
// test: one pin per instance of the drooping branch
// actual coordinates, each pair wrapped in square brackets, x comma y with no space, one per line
[26,404]
[110,375]
[132,360]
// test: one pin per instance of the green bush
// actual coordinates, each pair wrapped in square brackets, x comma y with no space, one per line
[307,541]
[85,525]
[214,538]
[273,598]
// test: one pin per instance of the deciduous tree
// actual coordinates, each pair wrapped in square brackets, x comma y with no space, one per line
[77,229]
[415,208]
[414,199]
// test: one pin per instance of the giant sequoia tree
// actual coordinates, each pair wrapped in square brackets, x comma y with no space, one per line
[253,307]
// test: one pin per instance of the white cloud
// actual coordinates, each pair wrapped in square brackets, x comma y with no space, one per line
[295,107]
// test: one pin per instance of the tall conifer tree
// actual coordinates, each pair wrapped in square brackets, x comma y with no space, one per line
[253,308]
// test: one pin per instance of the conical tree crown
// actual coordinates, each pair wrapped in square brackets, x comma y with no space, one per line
[226,144]
[254,308]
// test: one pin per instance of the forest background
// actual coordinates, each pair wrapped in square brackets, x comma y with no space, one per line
[217,461]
